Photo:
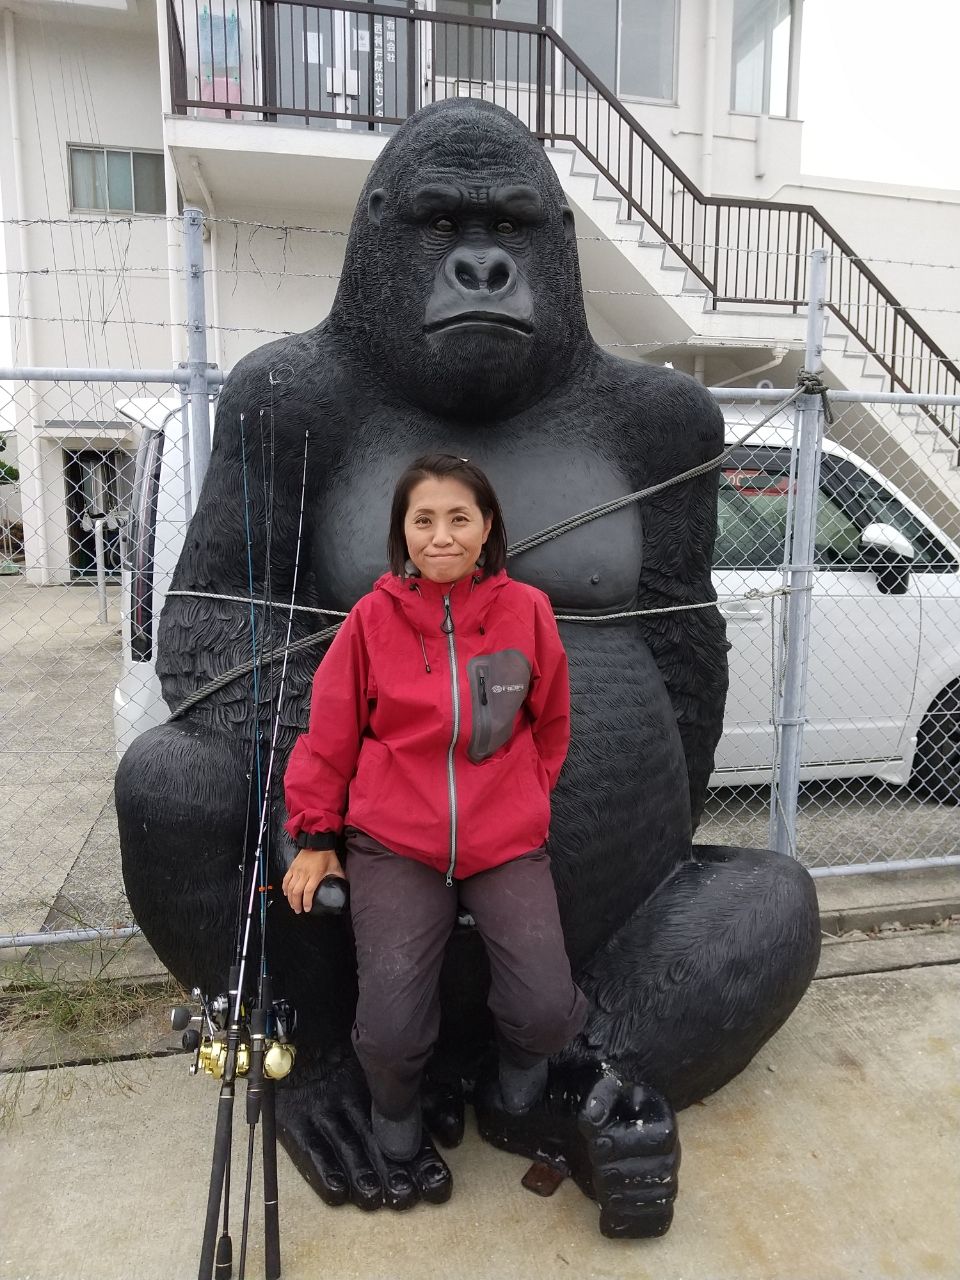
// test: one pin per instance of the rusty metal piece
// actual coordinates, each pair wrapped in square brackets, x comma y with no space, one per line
[542,1179]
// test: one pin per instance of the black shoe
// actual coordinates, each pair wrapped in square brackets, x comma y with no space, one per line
[521,1087]
[398,1139]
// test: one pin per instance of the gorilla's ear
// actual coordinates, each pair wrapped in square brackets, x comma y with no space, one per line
[569,226]
[375,205]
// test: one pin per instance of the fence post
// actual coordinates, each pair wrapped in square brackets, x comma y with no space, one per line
[542,74]
[413,37]
[798,577]
[196,348]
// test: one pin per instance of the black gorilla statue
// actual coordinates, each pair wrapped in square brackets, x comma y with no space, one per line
[459,326]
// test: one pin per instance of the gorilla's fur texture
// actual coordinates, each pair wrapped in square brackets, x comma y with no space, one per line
[692,956]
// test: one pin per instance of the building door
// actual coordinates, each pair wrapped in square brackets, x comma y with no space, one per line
[97,486]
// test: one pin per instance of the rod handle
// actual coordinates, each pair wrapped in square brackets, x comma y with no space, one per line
[331,897]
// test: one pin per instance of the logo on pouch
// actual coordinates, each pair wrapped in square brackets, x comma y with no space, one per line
[507,688]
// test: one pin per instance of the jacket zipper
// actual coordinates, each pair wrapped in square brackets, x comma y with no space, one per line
[447,628]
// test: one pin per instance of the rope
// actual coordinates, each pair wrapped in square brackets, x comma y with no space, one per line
[811,384]
[266,604]
[808,384]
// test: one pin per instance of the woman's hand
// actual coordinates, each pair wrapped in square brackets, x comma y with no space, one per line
[308,868]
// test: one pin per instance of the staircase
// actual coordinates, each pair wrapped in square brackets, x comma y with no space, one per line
[648,292]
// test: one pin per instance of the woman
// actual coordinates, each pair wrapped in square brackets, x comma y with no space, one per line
[439,722]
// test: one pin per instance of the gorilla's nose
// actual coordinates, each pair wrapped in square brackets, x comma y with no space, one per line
[490,270]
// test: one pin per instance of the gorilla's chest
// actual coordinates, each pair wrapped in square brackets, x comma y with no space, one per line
[594,567]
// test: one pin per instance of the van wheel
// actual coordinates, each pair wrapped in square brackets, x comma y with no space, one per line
[936,769]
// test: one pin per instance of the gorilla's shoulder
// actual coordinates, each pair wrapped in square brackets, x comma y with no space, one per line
[285,362]
[663,401]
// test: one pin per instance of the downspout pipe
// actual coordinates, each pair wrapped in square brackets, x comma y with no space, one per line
[709,96]
[176,287]
[34,462]
[214,259]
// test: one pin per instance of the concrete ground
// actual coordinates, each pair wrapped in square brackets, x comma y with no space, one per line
[59,851]
[833,1156]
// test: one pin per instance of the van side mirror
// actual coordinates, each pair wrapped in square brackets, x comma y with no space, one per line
[890,555]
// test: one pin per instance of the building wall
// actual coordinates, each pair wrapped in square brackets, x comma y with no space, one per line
[89,85]
[908,236]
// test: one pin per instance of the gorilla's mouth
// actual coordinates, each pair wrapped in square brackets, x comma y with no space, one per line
[480,320]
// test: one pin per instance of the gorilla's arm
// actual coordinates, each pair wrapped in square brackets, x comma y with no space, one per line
[683,427]
[255,477]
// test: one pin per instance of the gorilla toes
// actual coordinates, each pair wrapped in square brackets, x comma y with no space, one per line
[326,1132]
[632,1143]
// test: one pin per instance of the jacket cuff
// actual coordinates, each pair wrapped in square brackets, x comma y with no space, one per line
[316,840]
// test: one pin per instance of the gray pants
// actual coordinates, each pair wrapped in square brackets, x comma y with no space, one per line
[403,913]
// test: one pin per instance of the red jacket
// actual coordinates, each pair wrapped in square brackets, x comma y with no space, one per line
[439,721]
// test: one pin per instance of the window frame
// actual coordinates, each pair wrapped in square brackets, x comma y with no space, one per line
[835,475]
[104,151]
[792,51]
[675,72]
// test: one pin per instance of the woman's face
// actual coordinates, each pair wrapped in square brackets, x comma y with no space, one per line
[444,528]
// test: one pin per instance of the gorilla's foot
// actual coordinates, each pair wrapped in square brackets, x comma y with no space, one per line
[631,1135]
[616,1139]
[324,1126]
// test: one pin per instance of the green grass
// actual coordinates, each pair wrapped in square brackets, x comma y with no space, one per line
[51,1020]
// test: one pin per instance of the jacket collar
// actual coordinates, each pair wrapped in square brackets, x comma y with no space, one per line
[422,600]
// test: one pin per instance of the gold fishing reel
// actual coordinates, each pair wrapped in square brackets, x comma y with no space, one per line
[278,1058]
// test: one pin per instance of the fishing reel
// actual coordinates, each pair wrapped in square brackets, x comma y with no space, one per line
[205,1036]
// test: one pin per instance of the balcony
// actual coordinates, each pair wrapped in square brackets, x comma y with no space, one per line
[344,74]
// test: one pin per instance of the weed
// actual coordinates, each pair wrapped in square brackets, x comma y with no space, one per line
[49,1021]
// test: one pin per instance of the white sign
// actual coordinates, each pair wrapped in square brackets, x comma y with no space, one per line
[363,41]
[314,43]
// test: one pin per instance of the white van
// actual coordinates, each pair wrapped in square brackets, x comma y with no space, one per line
[883,685]
[151,543]
[883,692]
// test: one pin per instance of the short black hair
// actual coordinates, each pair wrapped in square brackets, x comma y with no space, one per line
[441,466]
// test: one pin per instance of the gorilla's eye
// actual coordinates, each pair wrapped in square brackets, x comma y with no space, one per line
[505,227]
[444,225]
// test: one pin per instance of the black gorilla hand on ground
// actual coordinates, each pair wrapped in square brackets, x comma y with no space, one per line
[459,325]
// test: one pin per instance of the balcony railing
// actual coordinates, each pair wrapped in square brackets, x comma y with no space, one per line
[368,67]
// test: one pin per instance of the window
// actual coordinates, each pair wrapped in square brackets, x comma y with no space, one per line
[116,181]
[752,522]
[761,57]
[630,45]
[480,54]
[752,517]
[868,502]
[648,34]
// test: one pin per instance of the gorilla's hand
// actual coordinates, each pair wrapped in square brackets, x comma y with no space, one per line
[631,1135]
[324,1126]
[616,1139]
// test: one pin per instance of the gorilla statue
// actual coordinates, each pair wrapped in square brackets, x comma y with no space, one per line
[459,326]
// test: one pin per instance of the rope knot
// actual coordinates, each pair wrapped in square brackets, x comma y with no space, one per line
[813,385]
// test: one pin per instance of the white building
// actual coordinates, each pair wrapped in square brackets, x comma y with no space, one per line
[672,125]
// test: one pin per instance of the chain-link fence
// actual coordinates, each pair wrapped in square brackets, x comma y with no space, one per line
[98,479]
[880,777]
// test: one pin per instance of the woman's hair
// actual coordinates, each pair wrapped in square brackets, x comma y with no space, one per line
[441,466]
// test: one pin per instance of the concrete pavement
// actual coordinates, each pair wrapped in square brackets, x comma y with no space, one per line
[833,1156]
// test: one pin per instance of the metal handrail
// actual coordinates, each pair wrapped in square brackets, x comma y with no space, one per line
[652,185]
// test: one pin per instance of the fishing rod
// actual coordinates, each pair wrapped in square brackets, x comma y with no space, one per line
[235,1035]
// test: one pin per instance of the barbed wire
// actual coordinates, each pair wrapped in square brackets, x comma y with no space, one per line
[125,220]
[147,271]
[667,341]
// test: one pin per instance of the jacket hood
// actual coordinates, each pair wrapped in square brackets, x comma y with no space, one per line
[421,601]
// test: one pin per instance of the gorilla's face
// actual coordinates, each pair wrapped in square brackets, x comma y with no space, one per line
[467,254]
